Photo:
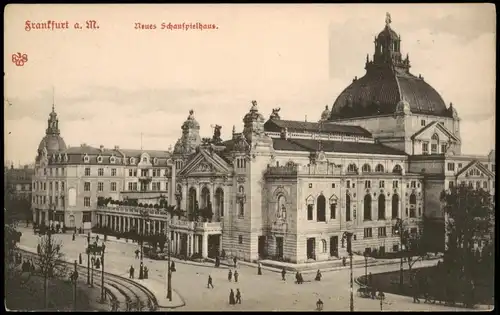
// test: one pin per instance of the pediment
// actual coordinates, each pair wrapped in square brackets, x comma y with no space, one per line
[426,133]
[475,169]
[204,163]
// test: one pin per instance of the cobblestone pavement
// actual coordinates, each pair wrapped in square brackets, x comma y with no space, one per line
[261,293]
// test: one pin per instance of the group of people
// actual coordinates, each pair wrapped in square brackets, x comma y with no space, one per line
[230,275]
[234,299]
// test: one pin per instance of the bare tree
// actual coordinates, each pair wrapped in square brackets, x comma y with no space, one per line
[49,262]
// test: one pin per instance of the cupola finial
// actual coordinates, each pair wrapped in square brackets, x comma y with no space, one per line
[388,19]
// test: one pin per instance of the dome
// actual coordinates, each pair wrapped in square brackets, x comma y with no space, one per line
[53,143]
[388,33]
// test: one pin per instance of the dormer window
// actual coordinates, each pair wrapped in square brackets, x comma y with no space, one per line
[144,160]
[112,160]
[132,160]
[99,159]
[59,158]
[379,168]
[86,158]
[65,157]
[155,161]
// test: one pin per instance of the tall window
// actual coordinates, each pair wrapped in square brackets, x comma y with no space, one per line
[113,186]
[351,168]
[100,172]
[368,232]
[434,143]
[310,209]
[57,186]
[86,201]
[320,209]
[130,186]
[86,186]
[347,207]
[333,210]
[368,208]
[381,207]
[395,206]
[451,166]
[379,168]
[219,202]
[368,184]
[87,171]
[100,186]
[413,205]
[113,172]
[205,197]
[366,168]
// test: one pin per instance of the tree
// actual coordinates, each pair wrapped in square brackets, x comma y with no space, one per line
[469,220]
[49,262]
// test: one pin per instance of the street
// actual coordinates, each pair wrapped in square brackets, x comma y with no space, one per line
[260,293]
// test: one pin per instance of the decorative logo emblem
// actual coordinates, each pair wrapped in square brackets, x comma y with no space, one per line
[19,59]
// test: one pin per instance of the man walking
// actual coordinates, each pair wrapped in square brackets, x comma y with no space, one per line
[283,274]
[229,275]
[210,284]
[131,272]
[236,276]
[235,260]
[238,296]
[136,254]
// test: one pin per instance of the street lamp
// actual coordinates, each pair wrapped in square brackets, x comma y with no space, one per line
[88,258]
[366,254]
[103,294]
[169,272]
[399,229]
[74,278]
[348,237]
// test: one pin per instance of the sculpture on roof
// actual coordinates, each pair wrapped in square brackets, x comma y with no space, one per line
[388,19]
[217,134]
[275,113]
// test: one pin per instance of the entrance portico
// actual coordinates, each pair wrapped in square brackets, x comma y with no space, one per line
[189,238]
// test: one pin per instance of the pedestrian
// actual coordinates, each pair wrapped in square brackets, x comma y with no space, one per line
[235,260]
[238,296]
[415,290]
[229,275]
[259,269]
[172,266]
[283,274]
[80,258]
[131,272]
[232,301]
[297,277]
[217,262]
[137,254]
[370,279]
[73,237]
[318,276]
[223,254]
[236,276]
[38,249]
[210,284]
[33,268]
[97,238]
[343,261]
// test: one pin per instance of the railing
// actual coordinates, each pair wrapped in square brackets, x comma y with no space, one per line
[282,170]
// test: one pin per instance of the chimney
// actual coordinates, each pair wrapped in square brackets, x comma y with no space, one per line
[117,147]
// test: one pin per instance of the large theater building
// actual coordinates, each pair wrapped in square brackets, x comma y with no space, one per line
[281,189]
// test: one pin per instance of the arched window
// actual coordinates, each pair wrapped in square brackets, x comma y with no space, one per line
[281,208]
[219,202]
[324,248]
[347,207]
[351,168]
[320,209]
[395,206]
[434,143]
[413,205]
[368,208]
[379,168]
[397,169]
[333,207]
[192,200]
[366,168]
[381,207]
[205,197]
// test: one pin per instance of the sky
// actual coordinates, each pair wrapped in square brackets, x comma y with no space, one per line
[112,84]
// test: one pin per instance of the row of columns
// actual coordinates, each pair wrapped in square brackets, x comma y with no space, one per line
[125,224]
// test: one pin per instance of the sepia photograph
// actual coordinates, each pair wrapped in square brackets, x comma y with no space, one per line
[249,157]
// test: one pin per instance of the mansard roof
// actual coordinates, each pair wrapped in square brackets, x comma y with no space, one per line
[310,145]
[277,125]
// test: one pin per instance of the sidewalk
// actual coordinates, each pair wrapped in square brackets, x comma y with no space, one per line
[277,266]
[158,288]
